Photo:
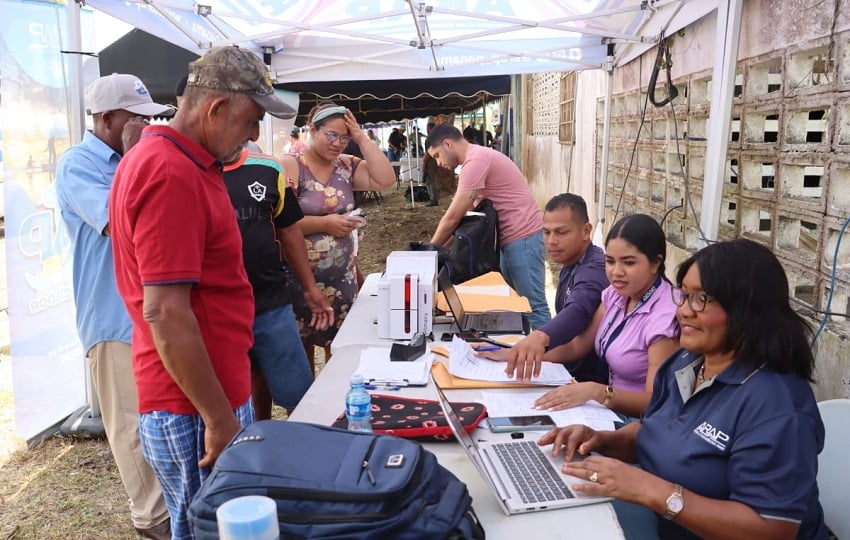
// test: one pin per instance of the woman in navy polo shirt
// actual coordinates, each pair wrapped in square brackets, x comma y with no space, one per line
[729,442]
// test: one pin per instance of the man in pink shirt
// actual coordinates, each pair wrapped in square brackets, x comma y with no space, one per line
[486,173]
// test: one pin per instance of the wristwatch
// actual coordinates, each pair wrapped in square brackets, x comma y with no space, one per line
[609,395]
[675,503]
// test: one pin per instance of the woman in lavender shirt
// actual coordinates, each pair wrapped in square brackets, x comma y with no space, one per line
[634,329]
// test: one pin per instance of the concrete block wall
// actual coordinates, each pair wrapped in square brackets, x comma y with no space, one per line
[787,173]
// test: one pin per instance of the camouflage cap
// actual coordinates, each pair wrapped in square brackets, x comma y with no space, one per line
[238,70]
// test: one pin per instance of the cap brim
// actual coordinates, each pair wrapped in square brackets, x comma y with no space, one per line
[150,109]
[274,106]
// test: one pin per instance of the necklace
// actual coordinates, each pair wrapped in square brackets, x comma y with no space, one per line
[701,374]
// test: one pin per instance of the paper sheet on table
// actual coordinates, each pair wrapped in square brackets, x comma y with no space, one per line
[479,303]
[463,362]
[486,290]
[447,381]
[376,367]
[591,414]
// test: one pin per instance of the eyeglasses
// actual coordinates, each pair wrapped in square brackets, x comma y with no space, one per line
[334,137]
[697,300]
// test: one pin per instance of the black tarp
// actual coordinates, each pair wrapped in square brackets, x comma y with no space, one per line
[383,101]
[160,65]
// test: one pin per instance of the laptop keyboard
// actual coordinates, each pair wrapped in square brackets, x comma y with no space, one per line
[483,321]
[531,473]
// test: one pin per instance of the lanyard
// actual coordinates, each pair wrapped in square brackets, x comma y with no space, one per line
[568,283]
[616,333]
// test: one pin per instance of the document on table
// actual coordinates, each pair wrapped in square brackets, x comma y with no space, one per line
[463,362]
[377,368]
[509,403]
[487,290]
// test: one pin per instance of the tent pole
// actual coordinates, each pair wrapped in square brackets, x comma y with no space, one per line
[75,71]
[598,233]
[410,125]
[727,36]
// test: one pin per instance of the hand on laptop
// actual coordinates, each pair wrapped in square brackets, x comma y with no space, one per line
[527,356]
[613,478]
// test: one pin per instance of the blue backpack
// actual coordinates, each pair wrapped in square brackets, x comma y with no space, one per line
[330,483]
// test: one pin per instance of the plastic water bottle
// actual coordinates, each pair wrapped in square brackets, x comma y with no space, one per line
[358,406]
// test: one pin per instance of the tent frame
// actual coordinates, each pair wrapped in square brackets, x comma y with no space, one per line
[725,49]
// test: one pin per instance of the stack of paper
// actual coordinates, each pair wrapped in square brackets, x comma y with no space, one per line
[591,414]
[377,368]
[463,362]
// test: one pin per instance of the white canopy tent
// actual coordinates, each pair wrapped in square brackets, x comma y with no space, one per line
[343,40]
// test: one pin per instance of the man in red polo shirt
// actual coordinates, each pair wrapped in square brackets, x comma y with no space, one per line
[178,264]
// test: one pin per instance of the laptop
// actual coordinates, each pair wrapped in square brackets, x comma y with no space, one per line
[492,322]
[523,476]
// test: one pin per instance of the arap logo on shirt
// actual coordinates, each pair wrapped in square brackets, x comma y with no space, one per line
[712,435]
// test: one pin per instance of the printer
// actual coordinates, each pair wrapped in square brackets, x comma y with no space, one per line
[406,294]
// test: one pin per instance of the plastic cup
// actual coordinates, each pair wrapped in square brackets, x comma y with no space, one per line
[252,517]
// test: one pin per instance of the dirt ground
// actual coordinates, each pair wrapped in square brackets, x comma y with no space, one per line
[66,488]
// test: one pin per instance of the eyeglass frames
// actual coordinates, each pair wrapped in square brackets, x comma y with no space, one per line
[334,137]
[697,300]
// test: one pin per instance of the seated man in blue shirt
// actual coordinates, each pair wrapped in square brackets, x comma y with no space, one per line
[566,236]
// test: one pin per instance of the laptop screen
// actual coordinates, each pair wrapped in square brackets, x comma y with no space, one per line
[455,305]
[457,428]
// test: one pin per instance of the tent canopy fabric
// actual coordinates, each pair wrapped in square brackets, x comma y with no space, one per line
[341,40]
[163,64]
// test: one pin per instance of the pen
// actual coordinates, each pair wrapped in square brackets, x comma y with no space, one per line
[381,387]
[496,343]
[387,382]
[488,348]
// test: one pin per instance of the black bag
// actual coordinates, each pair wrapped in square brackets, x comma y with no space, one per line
[331,483]
[420,193]
[475,249]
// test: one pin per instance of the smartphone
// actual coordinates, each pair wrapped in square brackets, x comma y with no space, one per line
[504,424]
[466,336]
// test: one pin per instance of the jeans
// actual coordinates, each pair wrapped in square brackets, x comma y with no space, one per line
[523,267]
[395,155]
[279,354]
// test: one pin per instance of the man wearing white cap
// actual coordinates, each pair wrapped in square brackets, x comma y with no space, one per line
[178,262]
[119,105]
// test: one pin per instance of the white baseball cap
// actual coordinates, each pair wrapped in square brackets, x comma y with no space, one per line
[122,92]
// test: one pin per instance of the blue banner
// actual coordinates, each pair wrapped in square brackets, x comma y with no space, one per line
[48,365]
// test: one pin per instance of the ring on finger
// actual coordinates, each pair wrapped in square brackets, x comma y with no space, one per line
[594,477]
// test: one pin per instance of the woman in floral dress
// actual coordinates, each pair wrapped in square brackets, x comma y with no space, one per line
[325,181]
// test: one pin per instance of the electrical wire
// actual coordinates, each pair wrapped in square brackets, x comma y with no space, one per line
[631,159]
[685,177]
[668,212]
[810,308]
[826,308]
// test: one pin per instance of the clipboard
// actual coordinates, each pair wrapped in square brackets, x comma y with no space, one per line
[447,381]
[377,369]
